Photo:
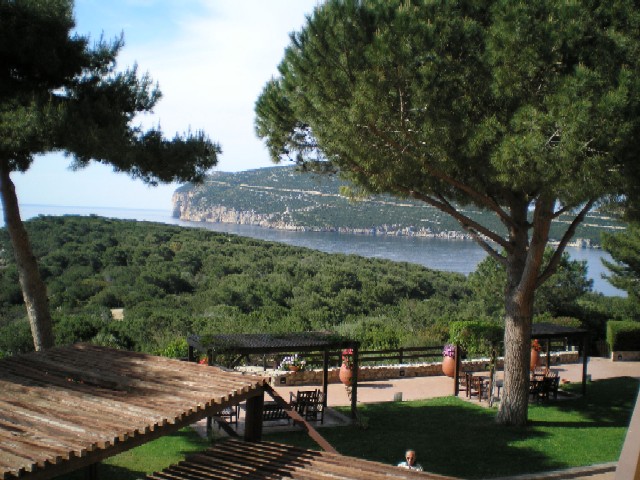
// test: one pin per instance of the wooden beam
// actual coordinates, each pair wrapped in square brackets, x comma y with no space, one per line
[253,419]
[297,418]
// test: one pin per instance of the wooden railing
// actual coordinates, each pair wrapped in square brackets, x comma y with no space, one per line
[382,357]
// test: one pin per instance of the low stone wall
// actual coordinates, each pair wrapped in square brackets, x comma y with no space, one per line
[370,373]
[625,356]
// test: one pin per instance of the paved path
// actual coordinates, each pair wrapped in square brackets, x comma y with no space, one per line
[417,388]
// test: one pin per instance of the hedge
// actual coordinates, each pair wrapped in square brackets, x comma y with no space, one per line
[623,335]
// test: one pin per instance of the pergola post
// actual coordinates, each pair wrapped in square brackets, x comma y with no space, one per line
[253,418]
[456,371]
[585,352]
[325,378]
[548,350]
[354,384]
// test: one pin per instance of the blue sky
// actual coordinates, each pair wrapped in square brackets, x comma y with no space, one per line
[211,59]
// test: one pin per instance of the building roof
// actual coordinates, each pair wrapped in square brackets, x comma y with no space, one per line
[233,459]
[269,343]
[68,407]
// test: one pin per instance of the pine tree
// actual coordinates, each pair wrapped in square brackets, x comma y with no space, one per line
[529,110]
[59,94]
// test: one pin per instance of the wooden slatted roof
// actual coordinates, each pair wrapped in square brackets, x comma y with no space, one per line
[69,407]
[235,459]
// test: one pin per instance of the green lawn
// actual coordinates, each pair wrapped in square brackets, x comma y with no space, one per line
[451,436]
[458,438]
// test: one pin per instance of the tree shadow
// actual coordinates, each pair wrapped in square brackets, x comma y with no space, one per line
[462,439]
[608,402]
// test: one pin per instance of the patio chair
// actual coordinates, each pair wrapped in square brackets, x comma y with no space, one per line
[309,404]
[463,382]
[549,386]
[477,386]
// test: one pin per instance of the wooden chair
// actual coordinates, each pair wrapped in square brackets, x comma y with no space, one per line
[309,404]
[535,387]
[476,387]
[548,387]
[463,383]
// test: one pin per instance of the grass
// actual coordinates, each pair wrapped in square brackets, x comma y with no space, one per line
[150,457]
[451,436]
[458,438]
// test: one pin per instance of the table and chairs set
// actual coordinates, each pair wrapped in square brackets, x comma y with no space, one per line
[543,384]
[309,404]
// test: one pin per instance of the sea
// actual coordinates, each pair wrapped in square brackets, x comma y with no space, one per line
[460,256]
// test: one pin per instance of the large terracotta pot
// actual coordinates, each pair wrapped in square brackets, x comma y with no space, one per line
[294,368]
[448,366]
[345,374]
[535,359]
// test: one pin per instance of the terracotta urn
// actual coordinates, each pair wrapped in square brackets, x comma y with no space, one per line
[535,359]
[345,374]
[448,366]
[294,368]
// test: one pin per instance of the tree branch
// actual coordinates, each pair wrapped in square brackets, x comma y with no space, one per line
[466,222]
[557,255]
[485,200]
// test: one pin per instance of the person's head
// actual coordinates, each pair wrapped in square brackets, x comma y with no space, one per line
[410,456]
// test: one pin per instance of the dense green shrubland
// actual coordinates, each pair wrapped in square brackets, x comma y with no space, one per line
[172,281]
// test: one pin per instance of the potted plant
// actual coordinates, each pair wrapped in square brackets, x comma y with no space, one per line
[293,363]
[449,359]
[346,369]
[535,354]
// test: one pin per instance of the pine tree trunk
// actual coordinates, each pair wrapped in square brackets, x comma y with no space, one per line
[34,290]
[514,403]
[523,264]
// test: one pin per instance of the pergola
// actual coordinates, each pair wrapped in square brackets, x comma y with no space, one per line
[69,407]
[233,459]
[247,344]
[548,331]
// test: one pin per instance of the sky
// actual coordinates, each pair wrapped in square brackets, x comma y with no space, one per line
[211,59]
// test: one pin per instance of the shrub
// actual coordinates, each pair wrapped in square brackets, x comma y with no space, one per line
[562,321]
[476,337]
[623,335]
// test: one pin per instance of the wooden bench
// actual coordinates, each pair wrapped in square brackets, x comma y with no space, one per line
[271,412]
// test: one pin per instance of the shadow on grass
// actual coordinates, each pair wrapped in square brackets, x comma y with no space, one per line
[608,402]
[451,437]
[462,439]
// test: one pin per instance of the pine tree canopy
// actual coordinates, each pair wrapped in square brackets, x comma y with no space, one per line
[58,93]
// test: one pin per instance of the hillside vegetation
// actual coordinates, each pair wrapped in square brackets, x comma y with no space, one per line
[281,197]
[172,281]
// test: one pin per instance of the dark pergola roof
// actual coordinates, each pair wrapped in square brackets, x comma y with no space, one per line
[261,343]
[549,330]
[269,343]
[69,407]
[234,459]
